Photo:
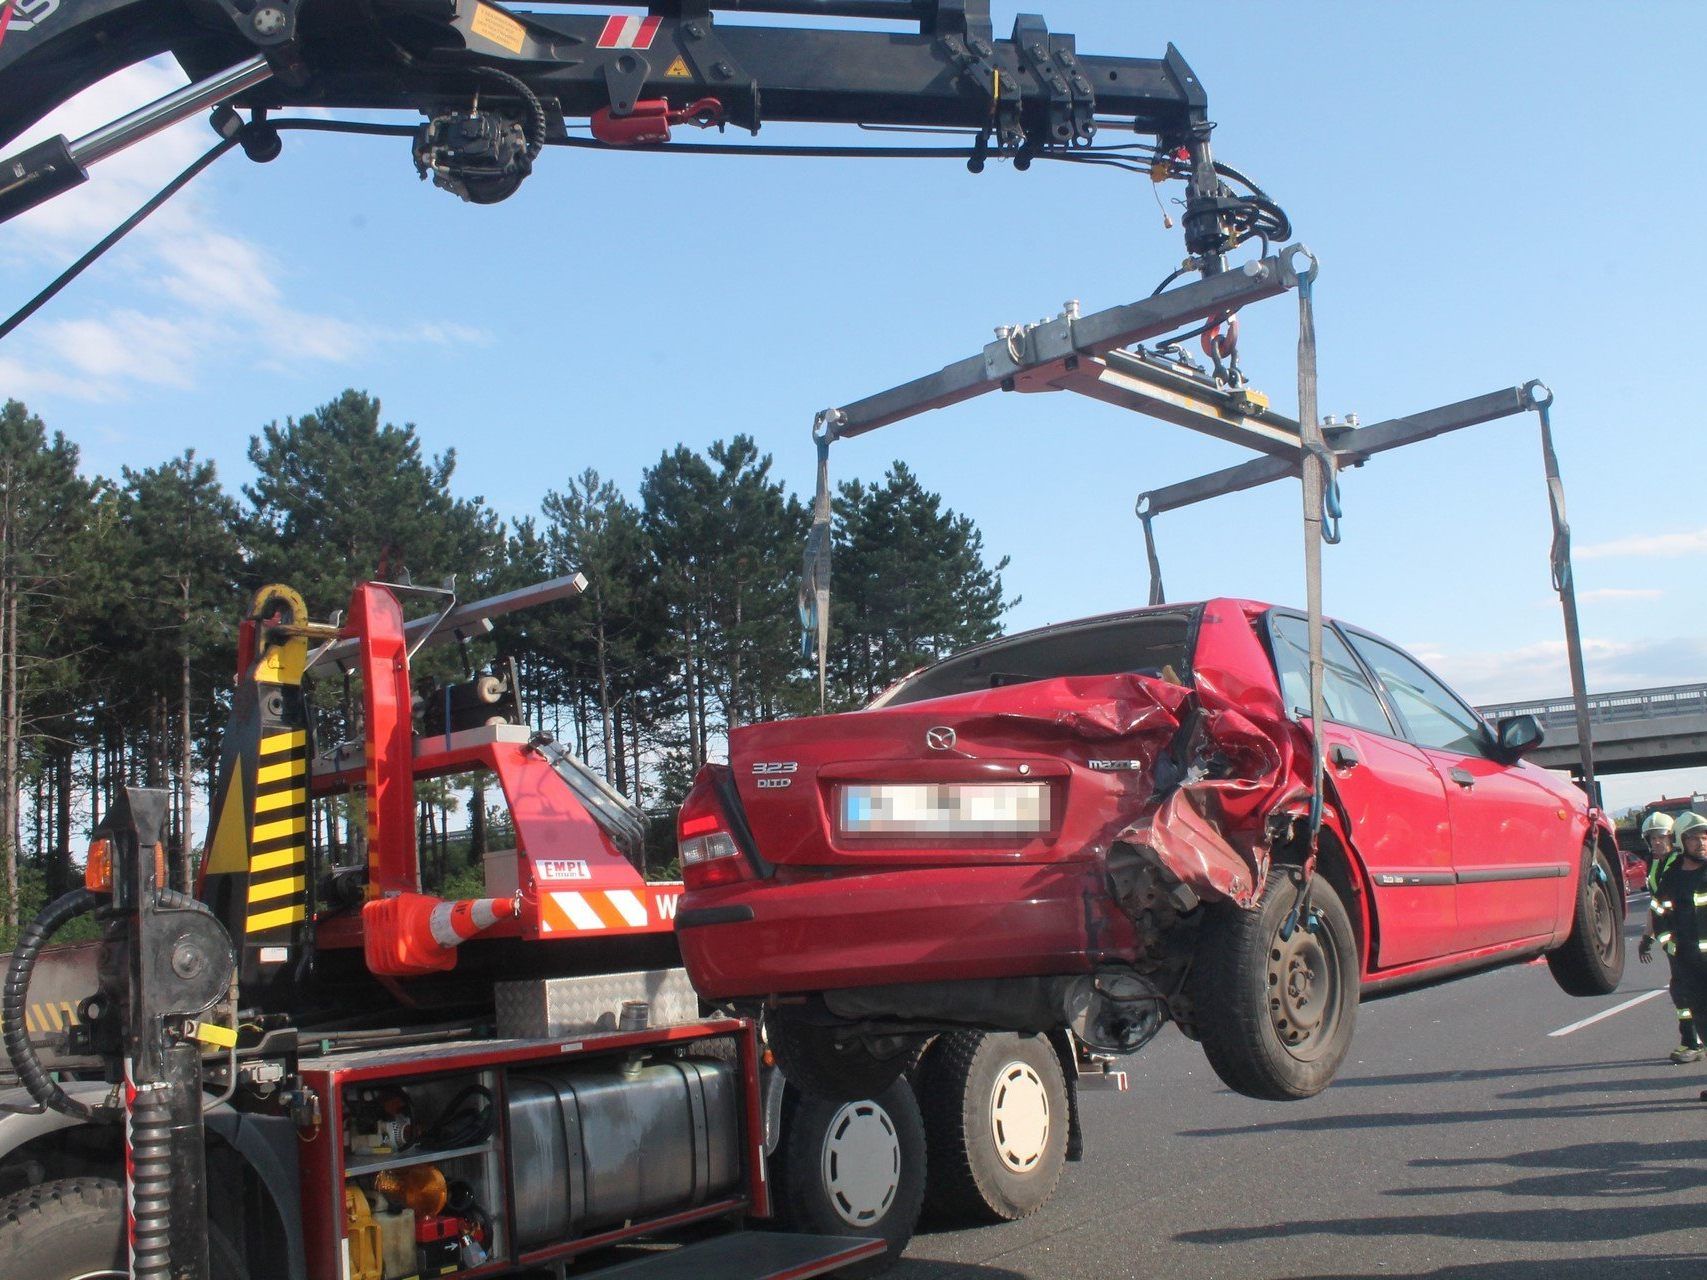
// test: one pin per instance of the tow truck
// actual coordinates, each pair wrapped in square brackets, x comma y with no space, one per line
[403,1084]
[589,1110]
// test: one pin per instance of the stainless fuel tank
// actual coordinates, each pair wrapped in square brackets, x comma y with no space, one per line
[591,1147]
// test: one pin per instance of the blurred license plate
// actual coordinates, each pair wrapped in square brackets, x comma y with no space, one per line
[944,809]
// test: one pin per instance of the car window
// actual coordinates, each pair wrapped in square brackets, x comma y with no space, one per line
[1154,643]
[1434,716]
[1346,693]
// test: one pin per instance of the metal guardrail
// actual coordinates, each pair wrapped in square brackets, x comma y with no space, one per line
[1609,708]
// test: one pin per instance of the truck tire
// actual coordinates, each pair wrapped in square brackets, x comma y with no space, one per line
[1275,1014]
[73,1229]
[840,1069]
[1590,962]
[995,1109]
[852,1169]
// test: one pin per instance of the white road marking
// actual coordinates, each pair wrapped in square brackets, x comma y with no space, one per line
[1607,1013]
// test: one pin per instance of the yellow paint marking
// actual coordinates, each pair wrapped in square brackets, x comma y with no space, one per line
[272,919]
[279,772]
[280,800]
[282,827]
[214,1034]
[267,890]
[274,743]
[277,860]
[53,1016]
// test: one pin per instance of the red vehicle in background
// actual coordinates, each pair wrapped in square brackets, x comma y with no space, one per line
[1102,825]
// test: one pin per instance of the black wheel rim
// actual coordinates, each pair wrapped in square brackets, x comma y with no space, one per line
[1603,919]
[1305,982]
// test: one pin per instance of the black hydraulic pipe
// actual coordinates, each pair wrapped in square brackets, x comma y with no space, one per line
[14,1001]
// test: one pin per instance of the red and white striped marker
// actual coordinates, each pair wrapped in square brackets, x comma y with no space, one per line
[629,33]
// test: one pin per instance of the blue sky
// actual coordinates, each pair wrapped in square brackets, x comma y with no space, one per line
[1496,192]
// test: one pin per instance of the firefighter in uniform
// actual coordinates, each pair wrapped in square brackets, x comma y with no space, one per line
[1678,885]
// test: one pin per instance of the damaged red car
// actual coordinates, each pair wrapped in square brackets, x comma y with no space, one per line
[1102,826]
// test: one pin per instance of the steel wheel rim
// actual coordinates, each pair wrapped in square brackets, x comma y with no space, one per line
[1602,917]
[1304,988]
[861,1163]
[1019,1116]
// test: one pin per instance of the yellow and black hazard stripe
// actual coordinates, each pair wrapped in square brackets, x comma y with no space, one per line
[278,841]
[46,1016]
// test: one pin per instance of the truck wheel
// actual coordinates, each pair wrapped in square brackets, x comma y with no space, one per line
[852,1169]
[842,1069]
[1276,1014]
[995,1109]
[74,1229]
[1590,962]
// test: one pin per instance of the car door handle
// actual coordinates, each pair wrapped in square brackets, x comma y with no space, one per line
[1464,778]
[1342,756]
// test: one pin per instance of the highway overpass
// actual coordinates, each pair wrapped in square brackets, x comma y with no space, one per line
[1634,731]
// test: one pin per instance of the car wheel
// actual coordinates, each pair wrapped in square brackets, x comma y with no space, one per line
[852,1169]
[995,1108]
[836,1066]
[1591,960]
[74,1229]
[1275,1014]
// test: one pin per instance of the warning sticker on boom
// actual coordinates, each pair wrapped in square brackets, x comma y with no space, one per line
[500,28]
[678,70]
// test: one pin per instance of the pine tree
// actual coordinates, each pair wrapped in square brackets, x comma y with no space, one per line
[910,585]
[185,565]
[593,529]
[43,506]
[340,498]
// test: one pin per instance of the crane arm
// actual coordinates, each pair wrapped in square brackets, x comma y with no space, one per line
[495,82]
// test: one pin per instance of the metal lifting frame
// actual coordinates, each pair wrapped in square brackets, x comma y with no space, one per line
[1086,354]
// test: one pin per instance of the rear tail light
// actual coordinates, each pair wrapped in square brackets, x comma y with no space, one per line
[709,854]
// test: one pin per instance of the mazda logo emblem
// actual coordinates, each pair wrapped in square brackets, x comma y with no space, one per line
[941,738]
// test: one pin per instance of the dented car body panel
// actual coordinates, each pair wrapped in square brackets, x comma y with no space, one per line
[1065,800]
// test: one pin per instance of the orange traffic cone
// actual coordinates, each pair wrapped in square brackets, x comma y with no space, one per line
[413,933]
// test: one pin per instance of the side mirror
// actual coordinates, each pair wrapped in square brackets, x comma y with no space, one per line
[1519,735]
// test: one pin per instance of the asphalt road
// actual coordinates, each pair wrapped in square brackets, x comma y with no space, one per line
[1464,1140]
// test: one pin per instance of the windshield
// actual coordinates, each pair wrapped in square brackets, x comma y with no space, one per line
[1156,642]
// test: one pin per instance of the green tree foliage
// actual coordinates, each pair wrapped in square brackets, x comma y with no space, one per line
[910,585]
[606,638]
[118,605]
[183,565]
[339,498]
[725,535]
[44,505]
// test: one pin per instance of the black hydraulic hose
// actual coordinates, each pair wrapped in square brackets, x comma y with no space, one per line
[14,1000]
[118,233]
[151,1127]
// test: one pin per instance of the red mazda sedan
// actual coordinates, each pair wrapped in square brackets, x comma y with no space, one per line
[1103,826]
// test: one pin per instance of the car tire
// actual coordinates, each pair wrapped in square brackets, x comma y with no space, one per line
[74,1229]
[1275,1015]
[837,1068]
[852,1169]
[1590,962]
[996,1115]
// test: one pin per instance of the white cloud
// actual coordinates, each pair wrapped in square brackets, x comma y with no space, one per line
[117,185]
[1611,595]
[195,283]
[1653,545]
[1541,671]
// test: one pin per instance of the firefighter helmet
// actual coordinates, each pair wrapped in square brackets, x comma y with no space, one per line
[1659,822]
